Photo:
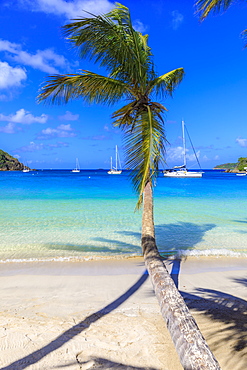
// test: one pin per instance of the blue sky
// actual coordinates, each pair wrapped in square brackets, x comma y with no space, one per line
[212,99]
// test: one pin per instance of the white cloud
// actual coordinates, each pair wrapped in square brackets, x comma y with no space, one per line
[177,19]
[65,127]
[60,131]
[11,76]
[33,147]
[41,60]
[68,116]
[24,117]
[177,154]
[139,26]
[59,144]
[192,157]
[8,46]
[4,97]
[8,129]
[96,137]
[216,157]
[69,9]
[241,142]
[106,128]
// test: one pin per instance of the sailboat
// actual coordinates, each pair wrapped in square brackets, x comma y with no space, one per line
[77,166]
[25,168]
[181,171]
[115,170]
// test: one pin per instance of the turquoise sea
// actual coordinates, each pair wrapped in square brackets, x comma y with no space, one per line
[60,215]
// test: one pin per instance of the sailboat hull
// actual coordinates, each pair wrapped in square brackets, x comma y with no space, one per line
[77,166]
[114,172]
[183,174]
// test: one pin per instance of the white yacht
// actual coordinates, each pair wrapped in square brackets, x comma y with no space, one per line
[182,171]
[77,166]
[117,170]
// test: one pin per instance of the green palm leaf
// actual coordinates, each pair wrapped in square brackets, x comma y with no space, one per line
[144,148]
[166,83]
[244,36]
[204,7]
[90,86]
[111,41]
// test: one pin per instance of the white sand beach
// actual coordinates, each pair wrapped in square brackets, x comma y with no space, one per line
[103,314]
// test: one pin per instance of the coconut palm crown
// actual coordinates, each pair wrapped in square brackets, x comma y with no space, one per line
[111,41]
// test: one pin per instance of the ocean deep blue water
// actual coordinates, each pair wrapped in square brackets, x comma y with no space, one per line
[55,214]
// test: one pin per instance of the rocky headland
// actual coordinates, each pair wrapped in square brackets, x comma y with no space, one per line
[239,167]
[9,163]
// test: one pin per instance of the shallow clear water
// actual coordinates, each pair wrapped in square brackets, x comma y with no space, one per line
[63,215]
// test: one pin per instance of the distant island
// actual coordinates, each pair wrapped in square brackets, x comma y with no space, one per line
[240,166]
[9,163]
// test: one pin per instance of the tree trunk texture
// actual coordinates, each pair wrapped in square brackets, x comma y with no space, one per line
[192,349]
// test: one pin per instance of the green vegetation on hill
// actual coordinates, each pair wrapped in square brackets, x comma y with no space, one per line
[240,166]
[9,163]
[226,166]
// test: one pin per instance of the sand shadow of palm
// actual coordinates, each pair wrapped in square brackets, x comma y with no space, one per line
[240,281]
[225,308]
[75,330]
[99,363]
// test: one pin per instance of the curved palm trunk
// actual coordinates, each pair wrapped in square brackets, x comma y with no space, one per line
[192,349]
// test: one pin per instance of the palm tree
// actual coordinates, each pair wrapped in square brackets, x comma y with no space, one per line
[204,7]
[125,56]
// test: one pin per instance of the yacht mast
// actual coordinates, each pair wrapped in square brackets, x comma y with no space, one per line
[184,146]
[116,157]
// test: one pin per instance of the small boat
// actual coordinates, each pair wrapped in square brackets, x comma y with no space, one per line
[115,170]
[26,169]
[77,166]
[240,174]
[182,171]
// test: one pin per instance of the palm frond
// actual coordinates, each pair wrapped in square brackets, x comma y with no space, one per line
[93,88]
[165,84]
[244,36]
[125,116]
[144,149]
[111,41]
[204,7]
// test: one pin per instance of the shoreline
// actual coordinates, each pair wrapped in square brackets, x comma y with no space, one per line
[103,313]
[207,262]
[181,254]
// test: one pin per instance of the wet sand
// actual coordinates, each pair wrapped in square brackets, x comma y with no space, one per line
[103,314]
